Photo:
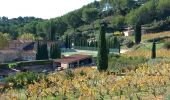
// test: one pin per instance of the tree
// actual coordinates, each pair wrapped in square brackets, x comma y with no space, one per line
[138,32]
[153,50]
[55,51]
[3,41]
[58,51]
[102,57]
[42,51]
[27,36]
[73,20]
[118,23]
[90,15]
[45,51]
[67,42]
[121,7]
[38,54]
[60,26]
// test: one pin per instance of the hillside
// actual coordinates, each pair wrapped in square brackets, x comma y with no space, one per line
[86,20]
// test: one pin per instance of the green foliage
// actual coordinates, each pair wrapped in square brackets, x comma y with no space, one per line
[118,63]
[69,74]
[55,51]
[20,80]
[12,65]
[118,33]
[163,8]
[167,45]
[147,12]
[122,14]
[67,42]
[118,22]
[42,52]
[158,26]
[90,14]
[127,42]
[82,73]
[27,36]
[138,34]
[33,63]
[3,41]
[73,20]
[102,56]
[154,50]
[121,7]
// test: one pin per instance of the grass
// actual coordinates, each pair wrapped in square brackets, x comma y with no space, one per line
[151,35]
[155,35]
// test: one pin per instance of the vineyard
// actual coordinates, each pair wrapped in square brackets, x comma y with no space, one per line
[147,54]
[145,83]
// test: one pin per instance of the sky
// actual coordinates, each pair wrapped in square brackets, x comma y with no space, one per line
[45,9]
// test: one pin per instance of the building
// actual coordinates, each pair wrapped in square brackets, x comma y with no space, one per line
[8,55]
[29,55]
[128,31]
[18,50]
[18,44]
[73,61]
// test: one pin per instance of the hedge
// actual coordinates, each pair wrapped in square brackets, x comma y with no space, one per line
[27,63]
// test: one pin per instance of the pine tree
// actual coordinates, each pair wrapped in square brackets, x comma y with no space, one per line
[154,50]
[138,32]
[102,57]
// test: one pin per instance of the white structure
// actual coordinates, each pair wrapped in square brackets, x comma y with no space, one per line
[106,7]
[128,32]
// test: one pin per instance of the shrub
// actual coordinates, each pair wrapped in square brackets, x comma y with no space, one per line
[82,73]
[117,33]
[20,80]
[69,74]
[118,63]
[167,45]
[129,43]
[31,63]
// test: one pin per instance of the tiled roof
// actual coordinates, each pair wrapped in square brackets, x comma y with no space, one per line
[72,58]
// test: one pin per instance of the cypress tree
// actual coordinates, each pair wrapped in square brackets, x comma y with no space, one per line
[58,53]
[119,46]
[153,50]
[45,51]
[67,41]
[115,42]
[138,32]
[38,51]
[51,48]
[102,57]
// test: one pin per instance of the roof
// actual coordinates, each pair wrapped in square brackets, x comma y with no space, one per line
[72,58]
[30,46]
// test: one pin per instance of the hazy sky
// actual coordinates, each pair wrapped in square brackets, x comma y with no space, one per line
[39,8]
